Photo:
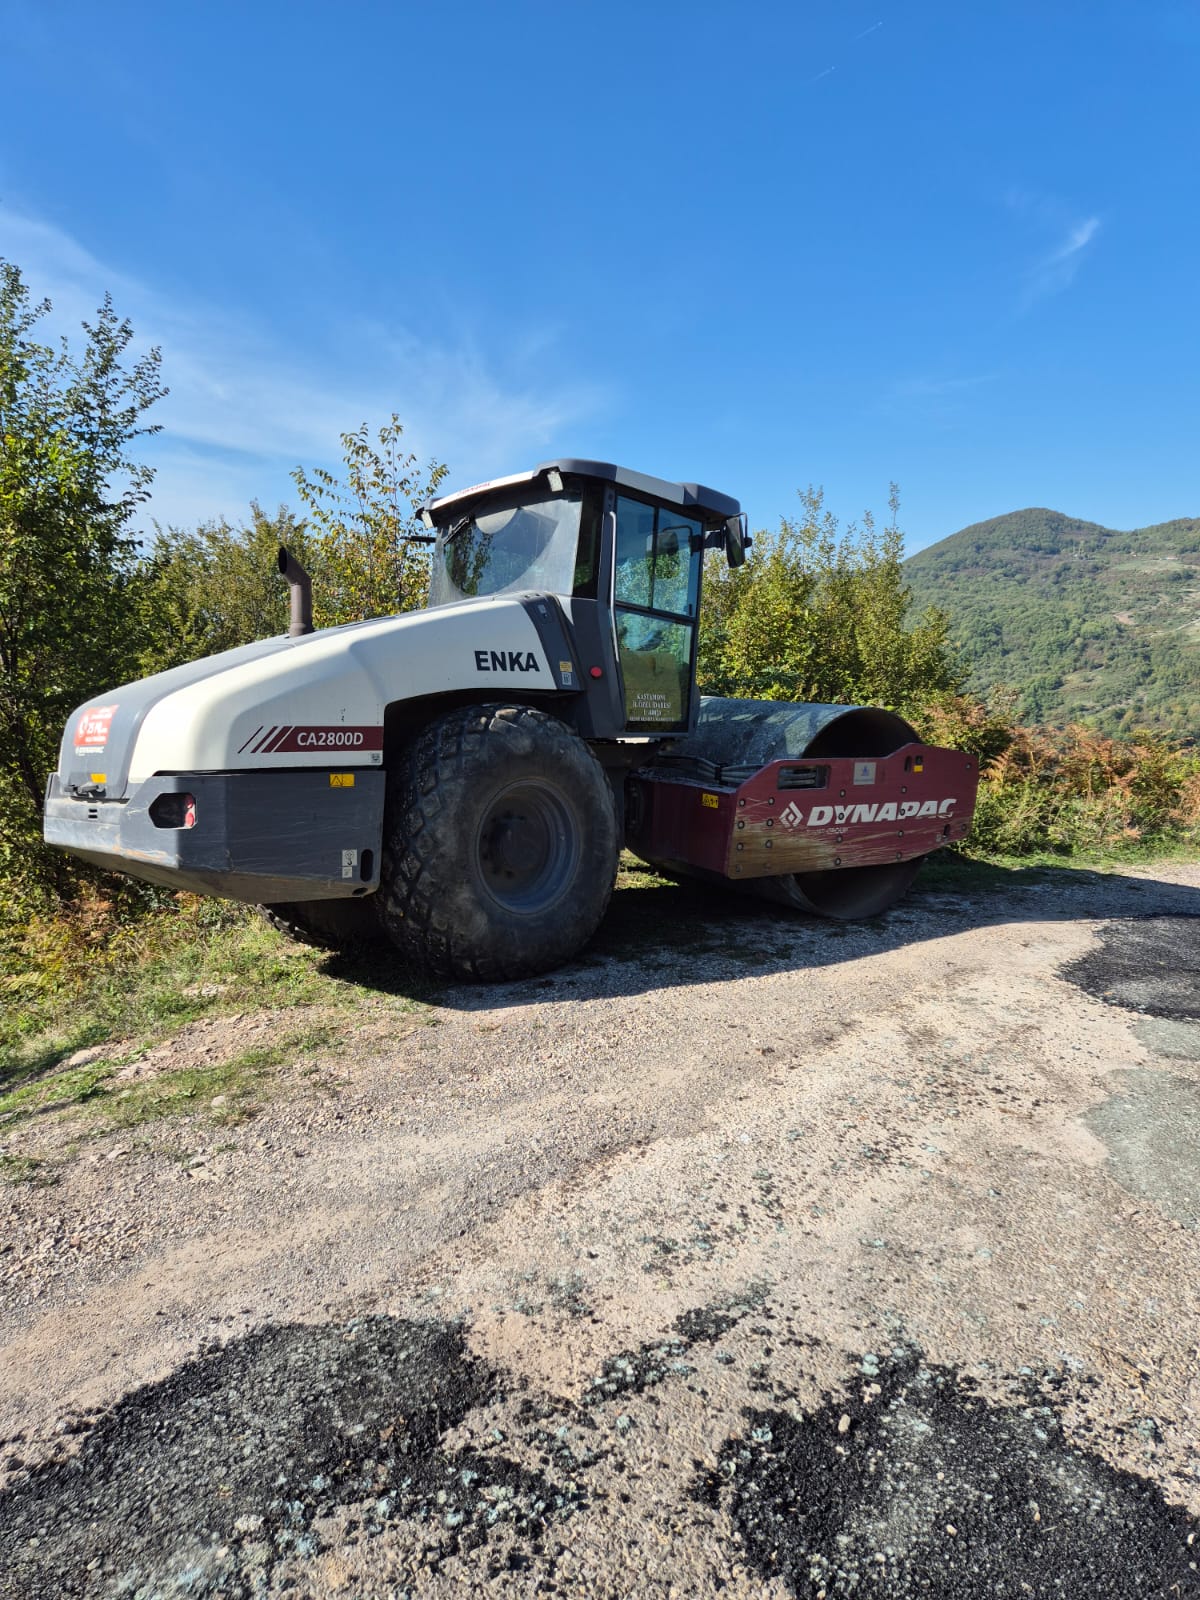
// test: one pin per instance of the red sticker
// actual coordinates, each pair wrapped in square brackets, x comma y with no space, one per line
[91,732]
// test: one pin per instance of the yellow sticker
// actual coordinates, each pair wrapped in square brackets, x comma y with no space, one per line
[710,800]
[341,780]
[99,777]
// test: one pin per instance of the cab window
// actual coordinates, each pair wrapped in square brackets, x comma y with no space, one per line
[656,591]
[654,566]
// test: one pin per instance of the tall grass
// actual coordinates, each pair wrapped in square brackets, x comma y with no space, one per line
[1071,792]
[107,967]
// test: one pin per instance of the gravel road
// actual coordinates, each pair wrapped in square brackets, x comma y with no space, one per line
[778,1259]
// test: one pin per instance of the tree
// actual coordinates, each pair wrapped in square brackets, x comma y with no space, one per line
[369,549]
[68,563]
[218,586]
[822,614]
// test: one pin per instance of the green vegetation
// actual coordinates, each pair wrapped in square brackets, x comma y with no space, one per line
[68,489]
[216,587]
[84,607]
[28,1169]
[369,554]
[80,979]
[1086,623]
[91,991]
[92,972]
[237,1085]
[820,613]
[1074,792]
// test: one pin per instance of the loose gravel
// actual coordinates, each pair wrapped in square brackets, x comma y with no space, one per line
[682,1272]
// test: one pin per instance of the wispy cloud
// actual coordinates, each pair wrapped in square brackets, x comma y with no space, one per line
[244,409]
[938,400]
[1079,236]
[1055,269]
[936,388]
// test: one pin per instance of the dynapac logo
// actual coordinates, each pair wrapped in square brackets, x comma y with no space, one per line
[793,816]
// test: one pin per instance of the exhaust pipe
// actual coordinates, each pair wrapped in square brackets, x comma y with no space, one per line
[300,585]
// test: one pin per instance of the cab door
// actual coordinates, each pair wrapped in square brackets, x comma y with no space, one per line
[656,595]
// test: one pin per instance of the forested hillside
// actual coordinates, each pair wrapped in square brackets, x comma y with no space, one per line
[1086,622]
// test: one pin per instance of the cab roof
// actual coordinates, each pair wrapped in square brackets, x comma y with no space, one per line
[689,496]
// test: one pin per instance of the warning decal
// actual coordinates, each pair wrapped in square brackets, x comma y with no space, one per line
[91,731]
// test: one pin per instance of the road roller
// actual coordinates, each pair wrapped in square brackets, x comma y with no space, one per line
[458,782]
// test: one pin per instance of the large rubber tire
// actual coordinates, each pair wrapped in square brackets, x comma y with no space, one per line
[328,924]
[500,845]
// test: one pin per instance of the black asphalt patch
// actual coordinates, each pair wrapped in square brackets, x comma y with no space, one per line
[924,1489]
[212,1484]
[201,1484]
[1146,964]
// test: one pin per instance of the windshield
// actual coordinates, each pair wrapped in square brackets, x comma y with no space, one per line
[507,551]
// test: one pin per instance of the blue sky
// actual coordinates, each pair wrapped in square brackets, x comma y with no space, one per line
[955,245]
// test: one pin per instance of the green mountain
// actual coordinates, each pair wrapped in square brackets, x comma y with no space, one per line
[1087,623]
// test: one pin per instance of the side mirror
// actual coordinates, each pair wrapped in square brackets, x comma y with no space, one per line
[737,540]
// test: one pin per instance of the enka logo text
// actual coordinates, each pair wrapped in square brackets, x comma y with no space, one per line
[506,661]
[846,816]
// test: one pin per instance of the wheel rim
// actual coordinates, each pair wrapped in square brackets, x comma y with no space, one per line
[527,847]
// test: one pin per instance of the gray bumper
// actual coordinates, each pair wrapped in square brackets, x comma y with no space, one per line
[258,836]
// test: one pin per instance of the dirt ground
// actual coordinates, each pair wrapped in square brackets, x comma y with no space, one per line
[778,1259]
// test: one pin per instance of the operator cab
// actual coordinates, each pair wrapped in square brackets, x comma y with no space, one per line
[621,552]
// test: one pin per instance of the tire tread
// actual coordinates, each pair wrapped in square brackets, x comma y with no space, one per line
[451,756]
